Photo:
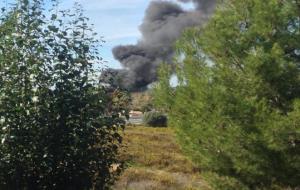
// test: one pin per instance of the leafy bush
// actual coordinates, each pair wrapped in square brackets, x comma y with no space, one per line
[155,119]
[58,126]
[236,107]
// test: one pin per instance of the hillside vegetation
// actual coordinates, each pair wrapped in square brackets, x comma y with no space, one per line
[141,101]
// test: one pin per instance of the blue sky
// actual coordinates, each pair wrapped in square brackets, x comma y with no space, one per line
[116,20]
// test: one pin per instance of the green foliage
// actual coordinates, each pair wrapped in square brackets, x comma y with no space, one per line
[58,127]
[155,119]
[236,107]
[162,92]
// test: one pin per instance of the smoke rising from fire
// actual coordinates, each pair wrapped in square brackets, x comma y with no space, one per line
[163,23]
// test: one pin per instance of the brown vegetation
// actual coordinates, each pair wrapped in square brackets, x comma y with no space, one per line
[155,162]
[140,100]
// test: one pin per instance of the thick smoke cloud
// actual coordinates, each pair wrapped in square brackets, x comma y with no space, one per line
[163,23]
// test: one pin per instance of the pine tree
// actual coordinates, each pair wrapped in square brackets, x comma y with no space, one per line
[236,105]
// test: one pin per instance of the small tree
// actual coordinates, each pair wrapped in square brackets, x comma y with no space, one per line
[58,127]
[238,95]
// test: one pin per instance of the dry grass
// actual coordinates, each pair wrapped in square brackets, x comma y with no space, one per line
[155,161]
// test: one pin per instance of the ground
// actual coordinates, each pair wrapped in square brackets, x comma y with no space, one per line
[155,162]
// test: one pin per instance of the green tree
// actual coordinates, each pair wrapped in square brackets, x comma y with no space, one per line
[58,126]
[236,105]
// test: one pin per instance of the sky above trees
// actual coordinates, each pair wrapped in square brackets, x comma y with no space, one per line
[116,20]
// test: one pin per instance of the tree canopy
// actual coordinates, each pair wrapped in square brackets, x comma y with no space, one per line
[59,128]
[236,107]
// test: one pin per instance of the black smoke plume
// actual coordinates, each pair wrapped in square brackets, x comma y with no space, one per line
[163,23]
